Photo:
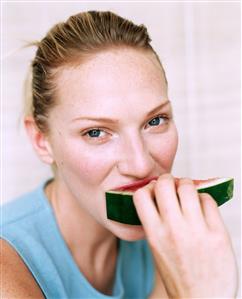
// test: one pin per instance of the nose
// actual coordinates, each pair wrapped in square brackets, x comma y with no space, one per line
[135,158]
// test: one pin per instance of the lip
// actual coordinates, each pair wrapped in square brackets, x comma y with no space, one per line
[135,185]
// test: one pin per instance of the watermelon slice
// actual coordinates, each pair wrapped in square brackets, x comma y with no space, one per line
[120,206]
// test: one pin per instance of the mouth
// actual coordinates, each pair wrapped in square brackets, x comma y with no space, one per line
[135,185]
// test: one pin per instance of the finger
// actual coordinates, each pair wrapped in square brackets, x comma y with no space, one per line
[146,209]
[211,212]
[189,201]
[167,200]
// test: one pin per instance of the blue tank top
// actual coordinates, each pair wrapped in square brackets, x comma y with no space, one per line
[29,226]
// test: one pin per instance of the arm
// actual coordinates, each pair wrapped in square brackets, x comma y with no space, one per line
[159,291]
[16,279]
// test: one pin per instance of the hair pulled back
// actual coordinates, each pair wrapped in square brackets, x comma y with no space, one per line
[69,43]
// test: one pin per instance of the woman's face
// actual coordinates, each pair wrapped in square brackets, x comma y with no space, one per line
[112,126]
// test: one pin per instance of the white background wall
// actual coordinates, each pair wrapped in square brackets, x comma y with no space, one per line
[199,44]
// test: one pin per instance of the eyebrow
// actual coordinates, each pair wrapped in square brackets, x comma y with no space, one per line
[114,121]
[158,108]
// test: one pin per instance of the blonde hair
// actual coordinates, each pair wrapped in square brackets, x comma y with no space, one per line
[68,43]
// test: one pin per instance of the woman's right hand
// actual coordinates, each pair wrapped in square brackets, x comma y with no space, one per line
[192,250]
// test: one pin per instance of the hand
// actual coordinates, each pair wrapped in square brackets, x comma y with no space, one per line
[188,239]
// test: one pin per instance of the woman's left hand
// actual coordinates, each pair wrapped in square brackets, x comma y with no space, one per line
[190,244]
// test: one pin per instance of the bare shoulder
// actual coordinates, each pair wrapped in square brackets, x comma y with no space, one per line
[16,279]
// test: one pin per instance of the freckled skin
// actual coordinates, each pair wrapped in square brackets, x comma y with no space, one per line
[122,84]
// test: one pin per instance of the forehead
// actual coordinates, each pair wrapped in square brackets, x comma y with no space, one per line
[118,74]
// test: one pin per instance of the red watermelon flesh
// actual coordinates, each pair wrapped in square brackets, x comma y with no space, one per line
[136,186]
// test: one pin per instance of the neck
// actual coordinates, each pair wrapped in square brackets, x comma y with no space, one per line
[92,246]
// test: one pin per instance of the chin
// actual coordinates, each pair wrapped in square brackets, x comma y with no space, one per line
[127,232]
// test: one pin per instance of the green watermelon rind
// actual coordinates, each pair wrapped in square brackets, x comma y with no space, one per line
[221,193]
[120,206]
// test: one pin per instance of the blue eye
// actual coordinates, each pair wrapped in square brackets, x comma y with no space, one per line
[155,121]
[95,133]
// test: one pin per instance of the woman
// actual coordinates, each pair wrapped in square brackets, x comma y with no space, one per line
[99,114]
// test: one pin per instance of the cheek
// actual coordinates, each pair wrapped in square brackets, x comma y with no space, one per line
[164,148]
[93,168]
[87,165]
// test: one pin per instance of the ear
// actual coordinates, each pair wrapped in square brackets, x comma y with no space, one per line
[39,140]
